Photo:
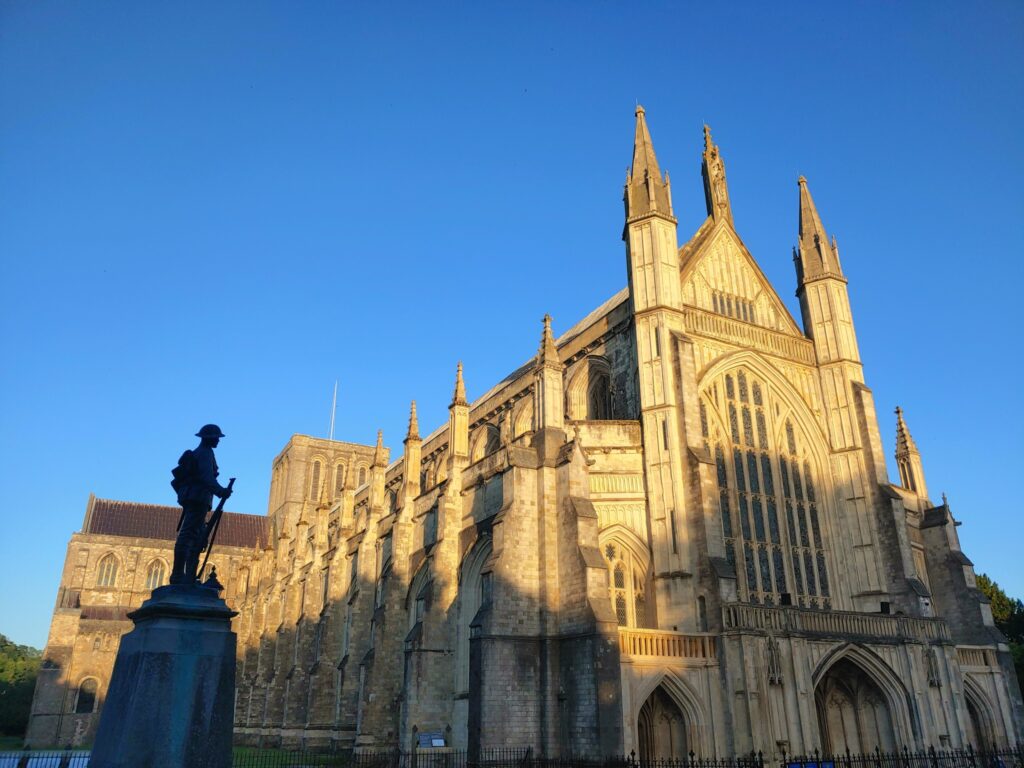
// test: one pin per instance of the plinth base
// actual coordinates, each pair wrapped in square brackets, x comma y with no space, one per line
[171,698]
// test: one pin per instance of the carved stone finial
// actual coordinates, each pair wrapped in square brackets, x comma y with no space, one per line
[378,452]
[414,425]
[548,352]
[459,397]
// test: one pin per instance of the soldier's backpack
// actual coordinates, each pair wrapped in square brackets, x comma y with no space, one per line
[182,474]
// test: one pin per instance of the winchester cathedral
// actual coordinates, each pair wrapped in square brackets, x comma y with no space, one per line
[671,530]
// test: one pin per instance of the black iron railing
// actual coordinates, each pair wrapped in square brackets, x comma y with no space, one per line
[526,758]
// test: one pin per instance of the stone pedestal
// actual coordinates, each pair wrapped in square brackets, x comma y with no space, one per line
[171,698]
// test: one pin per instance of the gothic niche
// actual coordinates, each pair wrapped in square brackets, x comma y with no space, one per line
[852,712]
[661,728]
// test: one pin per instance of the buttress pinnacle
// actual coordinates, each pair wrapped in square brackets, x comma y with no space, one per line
[459,398]
[904,442]
[817,255]
[548,352]
[414,425]
[379,458]
[646,190]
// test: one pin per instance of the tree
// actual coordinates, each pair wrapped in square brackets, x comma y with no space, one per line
[1008,613]
[18,667]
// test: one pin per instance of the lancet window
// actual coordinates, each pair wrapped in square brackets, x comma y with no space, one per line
[733,306]
[314,481]
[107,572]
[627,585]
[155,574]
[767,491]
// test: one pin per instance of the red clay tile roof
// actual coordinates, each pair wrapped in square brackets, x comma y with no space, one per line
[153,521]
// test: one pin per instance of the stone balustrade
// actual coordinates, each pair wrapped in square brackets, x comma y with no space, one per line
[706,323]
[663,644]
[875,626]
[976,656]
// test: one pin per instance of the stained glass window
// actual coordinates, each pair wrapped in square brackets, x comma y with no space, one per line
[767,498]
[626,586]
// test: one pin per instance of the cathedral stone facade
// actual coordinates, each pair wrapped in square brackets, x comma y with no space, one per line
[671,530]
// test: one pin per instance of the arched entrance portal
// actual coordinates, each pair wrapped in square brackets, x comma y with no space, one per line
[980,733]
[661,728]
[852,711]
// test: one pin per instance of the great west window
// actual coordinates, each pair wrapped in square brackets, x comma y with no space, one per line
[768,494]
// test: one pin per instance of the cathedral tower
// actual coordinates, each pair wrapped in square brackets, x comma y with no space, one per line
[653,263]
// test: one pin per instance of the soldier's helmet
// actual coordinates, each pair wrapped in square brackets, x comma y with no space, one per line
[210,430]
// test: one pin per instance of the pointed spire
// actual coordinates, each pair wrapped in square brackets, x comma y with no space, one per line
[817,256]
[459,398]
[379,455]
[646,190]
[548,352]
[414,424]
[908,458]
[904,442]
[716,191]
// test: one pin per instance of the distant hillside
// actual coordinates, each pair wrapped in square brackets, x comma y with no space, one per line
[18,667]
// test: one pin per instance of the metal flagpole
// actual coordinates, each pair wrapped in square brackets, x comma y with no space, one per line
[334,408]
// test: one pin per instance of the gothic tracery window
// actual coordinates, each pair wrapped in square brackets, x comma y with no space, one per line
[627,586]
[107,572]
[768,505]
[155,574]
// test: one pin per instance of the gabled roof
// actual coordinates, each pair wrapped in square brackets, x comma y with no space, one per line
[131,519]
[691,252]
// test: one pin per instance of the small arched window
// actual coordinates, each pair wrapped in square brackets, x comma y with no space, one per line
[627,586]
[106,573]
[155,574]
[362,476]
[85,702]
[314,483]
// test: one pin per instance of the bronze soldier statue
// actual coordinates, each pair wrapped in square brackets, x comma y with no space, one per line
[195,480]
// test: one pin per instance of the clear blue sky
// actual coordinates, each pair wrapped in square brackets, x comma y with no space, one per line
[211,211]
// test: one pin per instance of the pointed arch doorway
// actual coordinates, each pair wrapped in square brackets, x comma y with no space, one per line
[853,713]
[661,728]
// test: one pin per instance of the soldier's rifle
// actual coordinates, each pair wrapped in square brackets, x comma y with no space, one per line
[210,532]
